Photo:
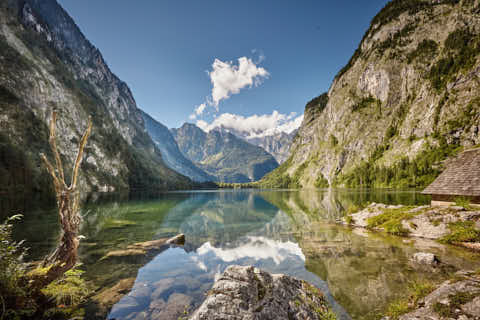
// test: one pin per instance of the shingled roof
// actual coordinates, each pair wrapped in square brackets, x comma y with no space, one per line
[460,178]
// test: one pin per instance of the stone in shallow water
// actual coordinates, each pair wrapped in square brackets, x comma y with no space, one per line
[162,287]
[250,293]
[125,306]
[141,292]
[425,258]
[176,307]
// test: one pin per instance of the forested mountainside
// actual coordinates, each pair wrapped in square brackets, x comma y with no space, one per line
[46,63]
[223,155]
[171,154]
[408,99]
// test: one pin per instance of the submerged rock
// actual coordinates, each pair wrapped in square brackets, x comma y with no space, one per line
[250,293]
[141,249]
[425,258]
[110,296]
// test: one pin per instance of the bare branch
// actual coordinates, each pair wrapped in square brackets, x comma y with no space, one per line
[53,145]
[51,170]
[78,161]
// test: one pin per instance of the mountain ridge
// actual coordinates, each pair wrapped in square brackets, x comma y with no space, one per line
[47,63]
[223,155]
[406,100]
[171,153]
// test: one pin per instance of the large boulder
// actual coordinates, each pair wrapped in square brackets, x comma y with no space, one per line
[243,293]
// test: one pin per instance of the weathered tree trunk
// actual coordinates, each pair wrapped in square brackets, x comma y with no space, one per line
[65,255]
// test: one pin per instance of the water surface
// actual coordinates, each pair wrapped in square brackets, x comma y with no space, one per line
[291,232]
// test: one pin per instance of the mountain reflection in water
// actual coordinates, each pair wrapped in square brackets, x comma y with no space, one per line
[291,232]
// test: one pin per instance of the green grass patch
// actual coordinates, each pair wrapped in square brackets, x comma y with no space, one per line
[69,290]
[417,291]
[462,231]
[391,220]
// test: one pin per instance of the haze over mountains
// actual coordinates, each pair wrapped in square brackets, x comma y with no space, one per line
[223,155]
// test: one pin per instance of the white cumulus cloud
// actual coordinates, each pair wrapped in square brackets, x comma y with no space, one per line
[255,125]
[228,78]
[198,111]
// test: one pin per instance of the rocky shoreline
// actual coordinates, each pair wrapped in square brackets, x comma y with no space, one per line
[456,298]
[448,224]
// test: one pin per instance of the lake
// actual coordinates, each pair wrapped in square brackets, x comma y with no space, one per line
[282,231]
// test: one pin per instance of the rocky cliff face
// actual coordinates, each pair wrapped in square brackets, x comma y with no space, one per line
[407,99]
[46,63]
[276,143]
[171,154]
[223,155]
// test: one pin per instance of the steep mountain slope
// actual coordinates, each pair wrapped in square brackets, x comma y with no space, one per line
[407,99]
[171,154]
[46,63]
[278,144]
[223,155]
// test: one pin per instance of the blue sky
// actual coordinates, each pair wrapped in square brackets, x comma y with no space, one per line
[164,50]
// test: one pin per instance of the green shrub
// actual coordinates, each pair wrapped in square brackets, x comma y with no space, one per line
[462,231]
[321,182]
[425,50]
[397,40]
[391,132]
[319,103]
[464,202]
[365,102]
[333,140]
[348,219]
[462,48]
[316,106]
[11,252]
[70,290]
[14,298]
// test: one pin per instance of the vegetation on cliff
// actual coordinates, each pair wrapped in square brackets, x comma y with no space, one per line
[403,104]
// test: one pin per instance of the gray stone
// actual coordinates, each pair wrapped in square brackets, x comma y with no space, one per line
[178,304]
[161,287]
[425,258]
[250,293]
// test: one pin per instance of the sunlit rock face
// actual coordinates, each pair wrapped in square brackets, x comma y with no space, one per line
[393,82]
[263,296]
[53,66]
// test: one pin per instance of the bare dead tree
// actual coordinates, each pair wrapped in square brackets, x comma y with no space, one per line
[65,255]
